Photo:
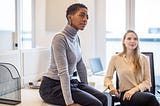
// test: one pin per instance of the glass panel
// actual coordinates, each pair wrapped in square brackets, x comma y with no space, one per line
[115,17]
[115,26]
[147,26]
[147,17]
[26,28]
[7,18]
[7,24]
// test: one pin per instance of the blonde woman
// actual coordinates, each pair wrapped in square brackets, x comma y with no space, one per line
[133,72]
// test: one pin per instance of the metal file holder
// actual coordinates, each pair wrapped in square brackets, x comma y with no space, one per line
[10,84]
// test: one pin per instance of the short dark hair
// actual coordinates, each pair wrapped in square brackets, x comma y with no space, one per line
[72,9]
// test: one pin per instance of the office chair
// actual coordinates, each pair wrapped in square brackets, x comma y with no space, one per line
[116,101]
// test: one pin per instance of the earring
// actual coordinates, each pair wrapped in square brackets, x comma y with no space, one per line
[70,22]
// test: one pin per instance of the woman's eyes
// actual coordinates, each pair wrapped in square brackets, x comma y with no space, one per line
[132,38]
[83,15]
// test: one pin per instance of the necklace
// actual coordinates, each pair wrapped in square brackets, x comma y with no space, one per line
[128,60]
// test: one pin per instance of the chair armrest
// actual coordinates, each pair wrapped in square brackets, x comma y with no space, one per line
[109,96]
[106,90]
[113,100]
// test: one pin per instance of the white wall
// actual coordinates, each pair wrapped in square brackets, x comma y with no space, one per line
[34,63]
[55,14]
[42,38]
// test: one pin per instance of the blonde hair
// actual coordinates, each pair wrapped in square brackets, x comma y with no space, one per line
[136,54]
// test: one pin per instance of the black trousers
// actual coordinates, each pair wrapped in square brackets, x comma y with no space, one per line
[140,99]
[50,91]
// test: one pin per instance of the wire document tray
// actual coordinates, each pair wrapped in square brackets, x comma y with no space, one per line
[10,84]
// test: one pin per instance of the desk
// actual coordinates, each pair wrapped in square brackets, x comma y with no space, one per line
[97,82]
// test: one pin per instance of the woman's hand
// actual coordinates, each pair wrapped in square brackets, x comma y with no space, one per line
[74,104]
[113,90]
[129,94]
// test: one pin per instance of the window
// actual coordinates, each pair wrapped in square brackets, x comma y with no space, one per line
[7,20]
[7,24]
[16,24]
[26,21]
[115,17]
[147,17]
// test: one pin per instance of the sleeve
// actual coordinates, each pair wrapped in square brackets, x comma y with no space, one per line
[82,71]
[146,83]
[81,68]
[110,71]
[59,48]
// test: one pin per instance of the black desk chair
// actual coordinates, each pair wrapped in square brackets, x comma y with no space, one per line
[116,100]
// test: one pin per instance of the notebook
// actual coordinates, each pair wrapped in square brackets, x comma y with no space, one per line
[96,66]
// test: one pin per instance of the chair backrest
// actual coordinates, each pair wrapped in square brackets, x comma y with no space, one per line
[95,64]
[151,62]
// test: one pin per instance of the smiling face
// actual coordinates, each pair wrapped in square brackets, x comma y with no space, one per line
[78,20]
[130,41]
